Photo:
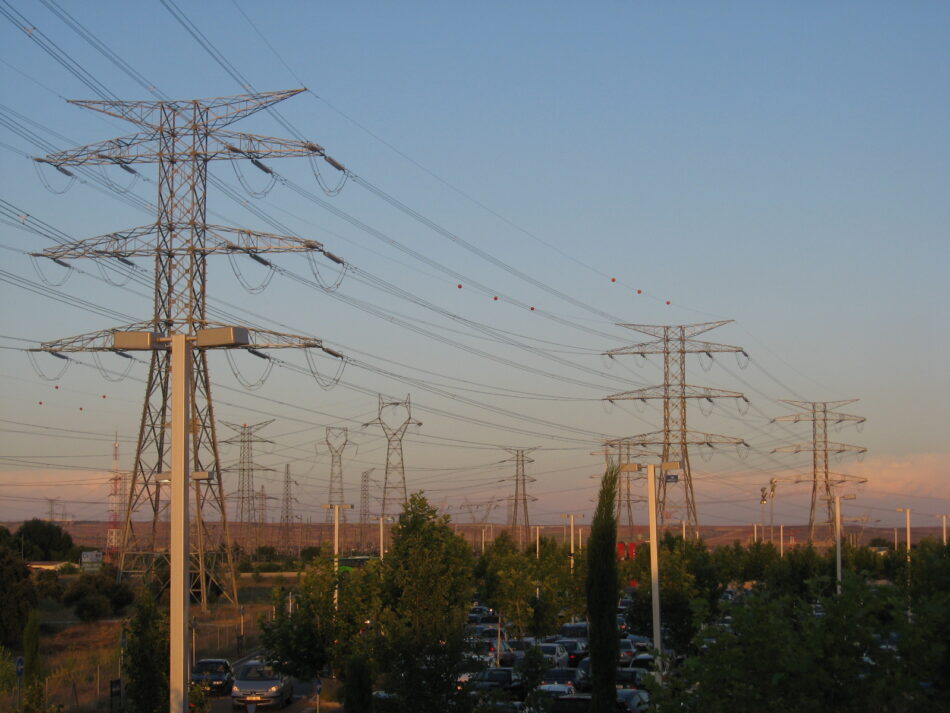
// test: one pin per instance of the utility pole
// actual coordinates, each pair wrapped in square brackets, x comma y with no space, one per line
[944,518]
[395,466]
[838,499]
[182,137]
[336,441]
[674,343]
[520,500]
[336,507]
[906,512]
[820,413]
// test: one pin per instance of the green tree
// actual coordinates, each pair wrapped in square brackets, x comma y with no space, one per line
[297,640]
[47,541]
[98,594]
[602,591]
[145,658]
[427,587]
[357,686]
[32,663]
[17,597]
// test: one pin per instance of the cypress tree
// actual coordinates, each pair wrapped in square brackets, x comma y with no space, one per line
[602,589]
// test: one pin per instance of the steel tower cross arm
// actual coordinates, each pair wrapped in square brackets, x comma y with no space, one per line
[830,446]
[688,346]
[221,110]
[104,340]
[689,330]
[145,147]
[693,438]
[689,392]
[135,242]
[831,416]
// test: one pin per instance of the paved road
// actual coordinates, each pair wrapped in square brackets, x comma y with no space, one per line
[303,701]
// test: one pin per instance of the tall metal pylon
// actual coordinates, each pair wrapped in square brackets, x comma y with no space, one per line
[287,520]
[674,342]
[337,441]
[820,413]
[246,437]
[395,476]
[519,502]
[118,494]
[182,137]
[620,452]
[364,503]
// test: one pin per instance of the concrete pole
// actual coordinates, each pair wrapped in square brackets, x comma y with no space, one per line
[781,540]
[654,558]
[944,530]
[382,550]
[179,669]
[537,540]
[907,516]
[336,548]
[838,540]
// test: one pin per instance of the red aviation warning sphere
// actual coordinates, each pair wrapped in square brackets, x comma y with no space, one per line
[532,309]
[613,279]
[459,285]
[639,292]
[56,387]
[495,298]
[41,403]
[667,302]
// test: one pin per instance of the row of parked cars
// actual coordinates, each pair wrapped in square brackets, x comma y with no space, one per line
[249,682]
[566,684]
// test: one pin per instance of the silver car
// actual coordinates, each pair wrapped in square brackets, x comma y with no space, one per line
[256,682]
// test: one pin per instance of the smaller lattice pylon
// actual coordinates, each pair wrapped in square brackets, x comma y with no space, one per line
[820,414]
[519,501]
[336,440]
[395,475]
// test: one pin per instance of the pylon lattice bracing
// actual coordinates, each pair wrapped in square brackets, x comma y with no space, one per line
[820,413]
[674,342]
[182,137]
[395,475]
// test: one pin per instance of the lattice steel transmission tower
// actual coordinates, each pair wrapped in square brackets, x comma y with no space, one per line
[820,413]
[619,452]
[118,494]
[246,494]
[674,342]
[364,503]
[337,441]
[287,519]
[519,502]
[182,137]
[395,475]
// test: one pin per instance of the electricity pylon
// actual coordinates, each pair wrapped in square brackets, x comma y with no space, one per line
[287,520]
[620,452]
[823,480]
[674,342]
[364,503]
[336,441]
[182,137]
[519,502]
[395,475]
[117,497]
[247,495]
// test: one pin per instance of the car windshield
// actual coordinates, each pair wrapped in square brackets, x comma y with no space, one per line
[494,676]
[210,667]
[559,675]
[549,648]
[571,646]
[257,672]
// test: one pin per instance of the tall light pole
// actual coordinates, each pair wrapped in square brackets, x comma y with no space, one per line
[181,346]
[906,512]
[570,516]
[944,518]
[382,537]
[838,499]
[336,507]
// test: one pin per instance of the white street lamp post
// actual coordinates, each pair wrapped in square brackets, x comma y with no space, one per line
[336,548]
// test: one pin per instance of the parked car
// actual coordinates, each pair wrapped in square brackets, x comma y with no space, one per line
[555,654]
[576,703]
[634,700]
[577,630]
[485,651]
[565,676]
[213,675]
[626,650]
[257,682]
[576,650]
[632,677]
[499,679]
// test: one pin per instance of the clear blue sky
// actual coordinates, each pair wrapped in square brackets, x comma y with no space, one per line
[784,165]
